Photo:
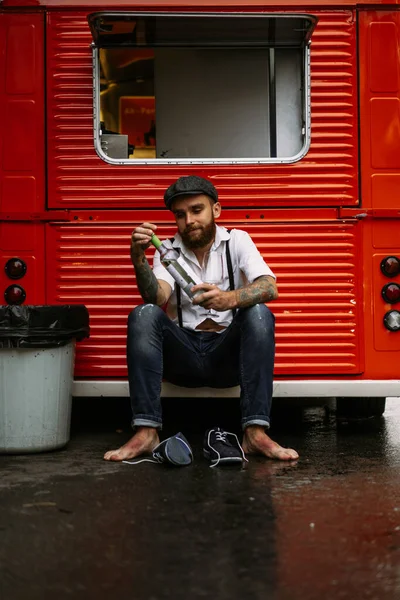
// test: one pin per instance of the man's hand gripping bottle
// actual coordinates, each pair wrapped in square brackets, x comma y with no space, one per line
[177,267]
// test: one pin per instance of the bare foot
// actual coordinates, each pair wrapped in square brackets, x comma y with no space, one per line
[143,442]
[256,441]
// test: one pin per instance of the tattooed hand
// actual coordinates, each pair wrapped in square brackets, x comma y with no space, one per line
[214,297]
[140,240]
[263,289]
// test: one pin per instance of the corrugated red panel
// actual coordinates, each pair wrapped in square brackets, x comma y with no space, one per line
[317,322]
[22,150]
[78,178]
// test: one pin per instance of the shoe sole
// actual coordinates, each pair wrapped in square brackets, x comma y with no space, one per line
[177,452]
[226,460]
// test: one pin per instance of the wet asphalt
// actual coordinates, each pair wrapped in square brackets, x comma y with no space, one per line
[326,527]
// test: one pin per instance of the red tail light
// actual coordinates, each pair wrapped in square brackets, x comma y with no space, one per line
[15,268]
[391,293]
[390,266]
[14,294]
[392,320]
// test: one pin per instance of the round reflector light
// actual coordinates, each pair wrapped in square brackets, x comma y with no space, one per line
[392,320]
[15,268]
[391,293]
[390,266]
[14,294]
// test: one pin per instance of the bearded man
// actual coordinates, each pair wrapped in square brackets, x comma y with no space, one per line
[222,338]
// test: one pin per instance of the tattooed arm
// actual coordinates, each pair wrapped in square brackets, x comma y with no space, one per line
[263,289]
[152,290]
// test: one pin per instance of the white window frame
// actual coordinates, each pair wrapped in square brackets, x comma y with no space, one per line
[209,161]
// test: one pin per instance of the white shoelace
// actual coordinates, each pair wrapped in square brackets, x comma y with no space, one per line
[221,436]
[157,458]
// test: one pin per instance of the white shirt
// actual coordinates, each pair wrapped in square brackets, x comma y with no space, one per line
[247,265]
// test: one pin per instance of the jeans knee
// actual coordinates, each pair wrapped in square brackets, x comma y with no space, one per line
[259,319]
[144,317]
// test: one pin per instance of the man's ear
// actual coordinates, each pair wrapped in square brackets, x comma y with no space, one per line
[216,210]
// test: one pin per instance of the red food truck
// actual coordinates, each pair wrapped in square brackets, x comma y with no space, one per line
[291,110]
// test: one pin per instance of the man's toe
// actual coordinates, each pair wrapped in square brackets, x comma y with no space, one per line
[291,454]
[111,455]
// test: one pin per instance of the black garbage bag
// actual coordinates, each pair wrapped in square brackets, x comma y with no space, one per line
[42,326]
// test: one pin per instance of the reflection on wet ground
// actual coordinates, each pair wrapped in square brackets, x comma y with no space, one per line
[327,527]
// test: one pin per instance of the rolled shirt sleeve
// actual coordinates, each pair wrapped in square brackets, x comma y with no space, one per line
[251,263]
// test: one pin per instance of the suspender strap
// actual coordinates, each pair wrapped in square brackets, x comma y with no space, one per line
[179,304]
[230,271]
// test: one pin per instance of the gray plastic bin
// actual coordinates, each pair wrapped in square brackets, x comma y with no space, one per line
[37,351]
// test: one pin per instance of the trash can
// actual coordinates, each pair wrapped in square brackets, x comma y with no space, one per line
[37,351]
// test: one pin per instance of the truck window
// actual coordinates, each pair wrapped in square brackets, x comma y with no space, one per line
[201,88]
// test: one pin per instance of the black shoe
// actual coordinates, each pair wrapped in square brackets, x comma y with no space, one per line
[222,447]
[175,450]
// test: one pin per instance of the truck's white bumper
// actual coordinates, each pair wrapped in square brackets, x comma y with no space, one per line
[282,389]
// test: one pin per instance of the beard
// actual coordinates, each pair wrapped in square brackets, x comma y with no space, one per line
[203,238]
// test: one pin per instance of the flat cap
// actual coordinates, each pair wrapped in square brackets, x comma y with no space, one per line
[190,185]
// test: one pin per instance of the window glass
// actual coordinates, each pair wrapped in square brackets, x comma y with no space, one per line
[127,103]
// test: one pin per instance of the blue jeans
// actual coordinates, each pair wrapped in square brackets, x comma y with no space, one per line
[242,354]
